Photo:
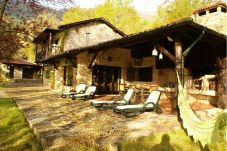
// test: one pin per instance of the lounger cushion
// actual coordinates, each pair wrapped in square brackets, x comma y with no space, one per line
[125,100]
[136,106]
[99,102]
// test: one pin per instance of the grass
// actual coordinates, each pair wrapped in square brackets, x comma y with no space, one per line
[171,141]
[2,86]
[15,133]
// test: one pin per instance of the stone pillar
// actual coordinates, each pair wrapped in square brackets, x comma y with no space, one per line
[222,84]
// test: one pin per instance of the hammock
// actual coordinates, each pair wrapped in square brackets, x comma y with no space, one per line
[204,131]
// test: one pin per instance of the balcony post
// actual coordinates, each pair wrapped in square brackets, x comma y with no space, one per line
[49,47]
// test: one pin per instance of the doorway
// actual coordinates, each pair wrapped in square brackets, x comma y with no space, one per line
[11,71]
[27,73]
[106,79]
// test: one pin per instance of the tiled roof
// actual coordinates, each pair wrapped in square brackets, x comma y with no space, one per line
[18,62]
[210,6]
[100,19]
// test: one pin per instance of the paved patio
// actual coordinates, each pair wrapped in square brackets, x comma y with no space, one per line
[55,120]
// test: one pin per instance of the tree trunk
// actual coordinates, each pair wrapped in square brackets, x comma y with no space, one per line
[222,84]
[3,10]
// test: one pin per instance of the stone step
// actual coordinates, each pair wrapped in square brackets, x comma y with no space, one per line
[25,83]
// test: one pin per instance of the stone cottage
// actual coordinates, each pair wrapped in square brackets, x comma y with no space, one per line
[95,52]
[18,69]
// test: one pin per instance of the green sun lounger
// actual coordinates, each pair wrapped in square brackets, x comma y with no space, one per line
[89,93]
[80,89]
[109,104]
[133,110]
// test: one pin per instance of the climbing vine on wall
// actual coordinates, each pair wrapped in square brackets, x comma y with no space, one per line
[50,74]
[52,78]
[62,36]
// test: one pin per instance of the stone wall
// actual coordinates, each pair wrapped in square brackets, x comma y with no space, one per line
[58,78]
[216,20]
[222,84]
[87,35]
[119,58]
[18,72]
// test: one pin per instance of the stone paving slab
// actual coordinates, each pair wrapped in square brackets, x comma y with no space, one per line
[53,118]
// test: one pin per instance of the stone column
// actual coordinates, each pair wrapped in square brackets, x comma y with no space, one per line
[222,84]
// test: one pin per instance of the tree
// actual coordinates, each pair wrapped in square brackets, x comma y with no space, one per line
[9,40]
[172,11]
[12,29]
[76,14]
[119,13]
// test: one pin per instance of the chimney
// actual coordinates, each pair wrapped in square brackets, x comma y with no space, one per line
[212,16]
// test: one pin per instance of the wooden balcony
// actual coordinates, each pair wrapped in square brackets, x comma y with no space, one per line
[40,55]
[55,50]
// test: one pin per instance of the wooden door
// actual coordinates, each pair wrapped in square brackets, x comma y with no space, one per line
[106,79]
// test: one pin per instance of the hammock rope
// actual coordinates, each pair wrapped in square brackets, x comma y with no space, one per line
[204,131]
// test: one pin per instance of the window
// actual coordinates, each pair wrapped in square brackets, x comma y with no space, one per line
[139,74]
[202,13]
[213,10]
[223,9]
[68,75]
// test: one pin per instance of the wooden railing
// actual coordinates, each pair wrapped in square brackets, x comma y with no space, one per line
[40,55]
[55,50]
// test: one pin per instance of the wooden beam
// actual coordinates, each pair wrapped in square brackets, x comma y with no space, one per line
[165,51]
[178,57]
[178,67]
[92,60]
[49,44]
[186,52]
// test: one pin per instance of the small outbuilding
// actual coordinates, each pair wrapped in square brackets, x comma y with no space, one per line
[18,69]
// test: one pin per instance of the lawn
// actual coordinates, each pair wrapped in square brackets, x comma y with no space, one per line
[15,133]
[171,141]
